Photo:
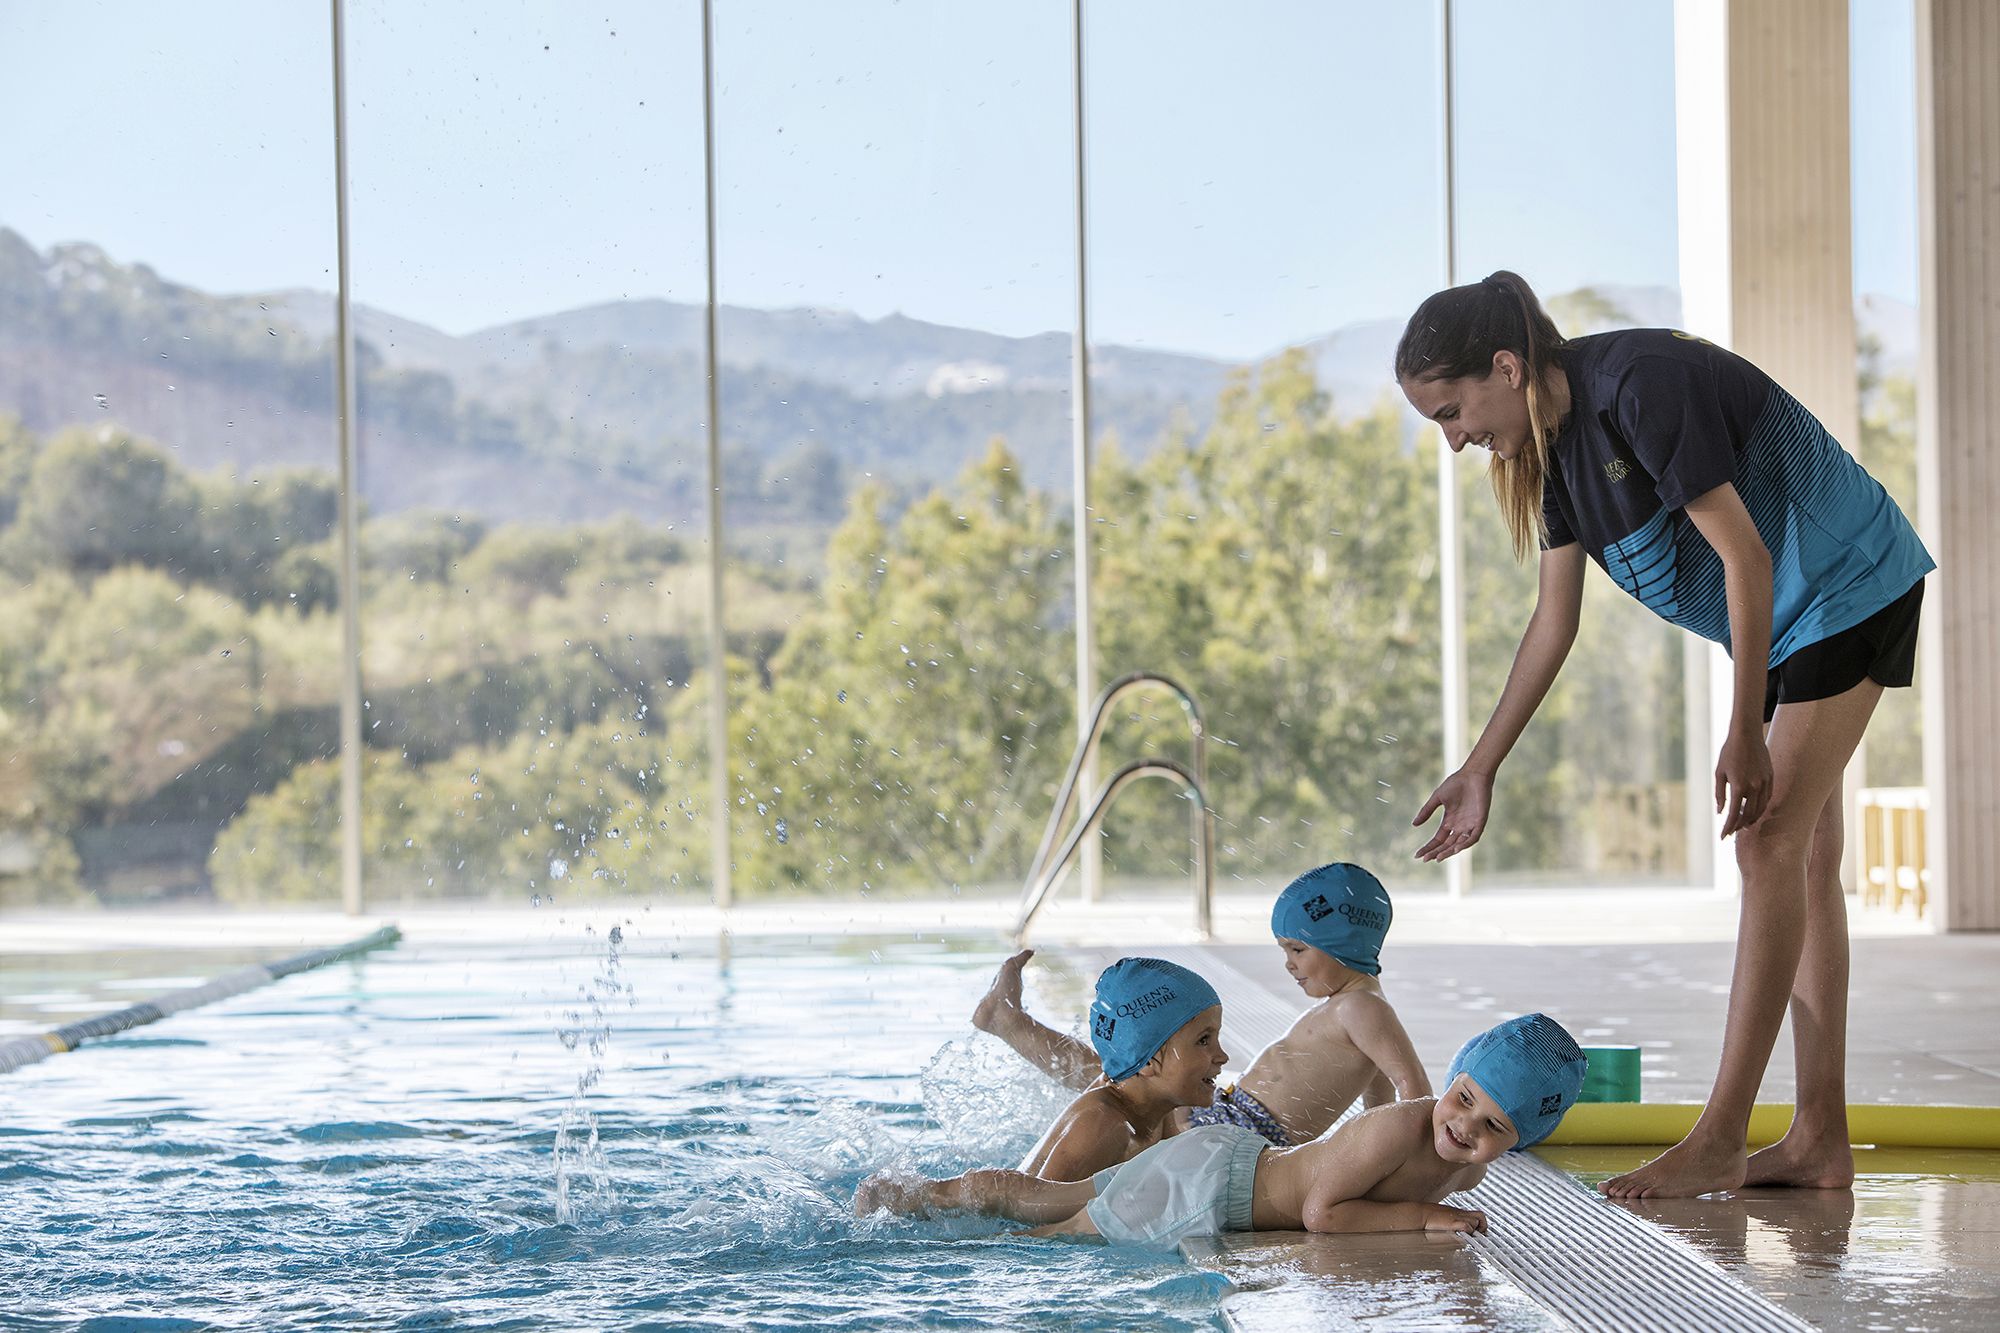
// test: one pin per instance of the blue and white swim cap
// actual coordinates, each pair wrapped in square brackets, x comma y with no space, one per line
[1531,1066]
[1140,1003]
[1341,910]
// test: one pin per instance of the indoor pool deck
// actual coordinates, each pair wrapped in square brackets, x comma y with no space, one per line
[1915,1245]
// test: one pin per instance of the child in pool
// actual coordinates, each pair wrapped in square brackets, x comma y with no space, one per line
[1157,1032]
[1330,923]
[1385,1170]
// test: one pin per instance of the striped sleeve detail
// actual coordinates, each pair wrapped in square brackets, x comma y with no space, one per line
[1667,566]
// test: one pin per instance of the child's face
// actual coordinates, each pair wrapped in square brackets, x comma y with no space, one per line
[1468,1126]
[1318,974]
[1192,1058]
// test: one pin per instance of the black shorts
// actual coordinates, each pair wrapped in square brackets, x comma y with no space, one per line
[1882,648]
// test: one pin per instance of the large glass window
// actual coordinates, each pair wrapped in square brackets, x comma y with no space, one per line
[168,639]
[895,266]
[1582,204]
[1264,211]
[527,249]
[1884,125]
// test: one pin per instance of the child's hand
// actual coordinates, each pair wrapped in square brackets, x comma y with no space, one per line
[904,1195]
[1443,1217]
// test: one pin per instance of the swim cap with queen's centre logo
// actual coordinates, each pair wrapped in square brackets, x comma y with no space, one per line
[1531,1066]
[1140,1004]
[1339,909]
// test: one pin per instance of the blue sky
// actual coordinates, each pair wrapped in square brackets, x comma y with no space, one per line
[1257,176]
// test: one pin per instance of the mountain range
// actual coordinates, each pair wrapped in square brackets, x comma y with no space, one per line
[586,413]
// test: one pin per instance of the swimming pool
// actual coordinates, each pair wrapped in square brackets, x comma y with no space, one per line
[569,1132]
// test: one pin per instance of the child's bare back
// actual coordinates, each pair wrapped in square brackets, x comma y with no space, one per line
[1350,1045]
[1097,1129]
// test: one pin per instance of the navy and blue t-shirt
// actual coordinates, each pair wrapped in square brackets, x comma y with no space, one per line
[1659,418]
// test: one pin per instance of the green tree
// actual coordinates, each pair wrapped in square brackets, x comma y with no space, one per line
[97,499]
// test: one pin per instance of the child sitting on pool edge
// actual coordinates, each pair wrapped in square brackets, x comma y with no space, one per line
[1330,924]
[1387,1169]
[1157,1032]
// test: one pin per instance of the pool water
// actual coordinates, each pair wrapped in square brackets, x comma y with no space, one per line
[567,1132]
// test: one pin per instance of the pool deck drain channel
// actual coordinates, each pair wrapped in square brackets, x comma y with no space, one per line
[18,1051]
[1585,1260]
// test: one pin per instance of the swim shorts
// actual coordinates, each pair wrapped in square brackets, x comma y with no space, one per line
[1233,1106]
[1198,1183]
[1882,648]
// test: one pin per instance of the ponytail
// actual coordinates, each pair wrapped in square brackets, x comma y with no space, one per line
[1454,335]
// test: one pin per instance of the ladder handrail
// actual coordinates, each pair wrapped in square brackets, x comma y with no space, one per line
[1036,894]
[1085,747]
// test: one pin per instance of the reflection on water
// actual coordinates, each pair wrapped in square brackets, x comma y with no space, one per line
[1386,1282]
[1915,1244]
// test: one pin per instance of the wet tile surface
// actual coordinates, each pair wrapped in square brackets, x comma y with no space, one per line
[1921,1023]
[1292,1280]
[1914,1246]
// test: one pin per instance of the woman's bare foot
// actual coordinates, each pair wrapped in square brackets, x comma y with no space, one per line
[1681,1172]
[1802,1161]
[1003,998]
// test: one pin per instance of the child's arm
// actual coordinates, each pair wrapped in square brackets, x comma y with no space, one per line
[1358,1157]
[1357,1215]
[1374,1028]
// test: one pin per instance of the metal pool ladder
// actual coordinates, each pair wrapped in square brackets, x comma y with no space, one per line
[1052,862]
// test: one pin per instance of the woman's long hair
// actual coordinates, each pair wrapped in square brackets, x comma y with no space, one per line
[1454,335]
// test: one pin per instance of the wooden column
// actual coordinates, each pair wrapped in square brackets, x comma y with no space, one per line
[1958,449]
[1766,236]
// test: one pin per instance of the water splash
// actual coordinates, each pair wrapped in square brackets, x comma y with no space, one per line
[979,1091]
[584,1186]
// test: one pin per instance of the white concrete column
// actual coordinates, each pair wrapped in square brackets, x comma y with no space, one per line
[1958,450]
[1761,98]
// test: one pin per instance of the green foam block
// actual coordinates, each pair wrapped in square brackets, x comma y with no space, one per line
[1613,1075]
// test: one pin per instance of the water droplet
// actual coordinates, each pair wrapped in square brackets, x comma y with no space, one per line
[102,401]
[557,869]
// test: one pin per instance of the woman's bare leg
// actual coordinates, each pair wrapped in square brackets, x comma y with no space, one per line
[1815,1154]
[1810,746]
[1060,1056]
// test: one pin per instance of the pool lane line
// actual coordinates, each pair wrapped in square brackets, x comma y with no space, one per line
[1884,1126]
[18,1051]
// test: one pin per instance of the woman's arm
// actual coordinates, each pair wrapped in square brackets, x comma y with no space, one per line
[1743,768]
[1466,794]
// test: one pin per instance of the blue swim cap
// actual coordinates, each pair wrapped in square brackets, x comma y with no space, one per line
[1341,910]
[1140,1003]
[1531,1066]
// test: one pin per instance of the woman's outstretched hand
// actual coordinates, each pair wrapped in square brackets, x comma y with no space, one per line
[1465,797]
[1743,780]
